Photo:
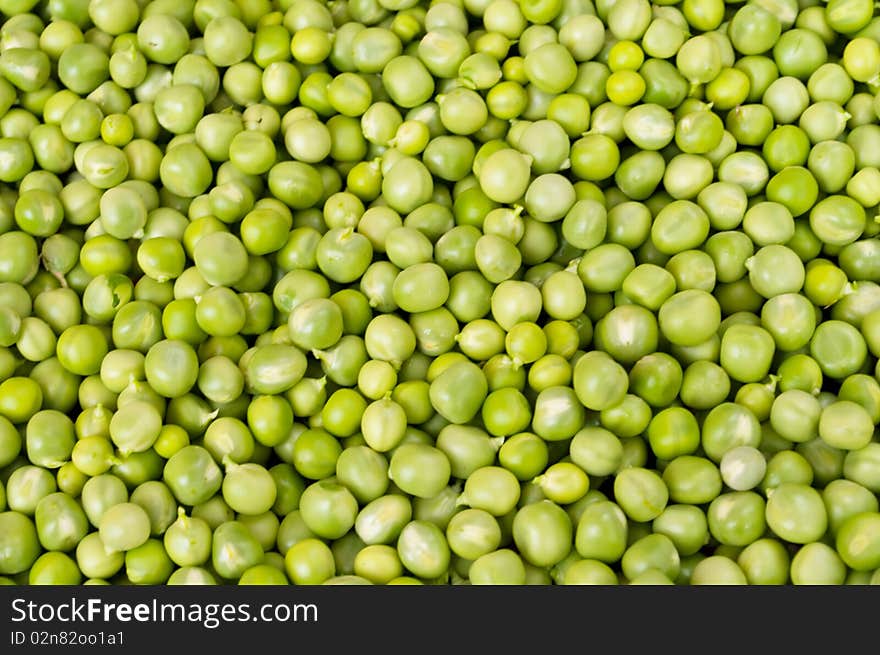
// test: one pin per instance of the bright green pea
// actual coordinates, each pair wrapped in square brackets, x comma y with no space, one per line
[641,493]
[542,533]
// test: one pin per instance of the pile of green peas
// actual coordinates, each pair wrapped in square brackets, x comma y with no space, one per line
[447,292]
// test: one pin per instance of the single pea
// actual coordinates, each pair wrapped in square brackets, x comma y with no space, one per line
[641,493]
[765,561]
[420,470]
[192,475]
[381,520]
[54,569]
[627,333]
[599,381]
[746,352]
[787,467]
[689,317]
[493,489]
[791,319]
[796,513]
[602,532]
[654,551]
[234,550]
[685,525]
[672,432]
[27,486]
[60,522]
[718,570]
[561,482]
[473,533]
[838,347]
[860,466]
[817,563]
[124,527]
[328,509]
[656,379]
[171,367]
[309,562]
[248,488]
[837,220]
[81,348]
[542,533]
[499,567]
[845,425]
[423,549]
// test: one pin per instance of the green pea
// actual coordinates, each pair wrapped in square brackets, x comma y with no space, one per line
[248,488]
[423,549]
[844,499]
[746,352]
[542,533]
[549,371]
[363,472]
[124,527]
[263,574]
[765,561]
[504,175]
[54,569]
[186,171]
[493,489]
[817,563]
[837,220]
[718,570]
[787,466]
[458,392]
[171,367]
[729,425]
[678,317]
[641,493]
[655,551]
[853,260]
[95,560]
[673,432]
[685,525]
[234,550]
[563,483]
[599,381]
[137,468]
[407,81]
[832,164]
[845,425]
[656,378]
[627,333]
[309,562]
[859,466]
[525,455]
[381,520]
[462,111]
[602,532]
[192,475]
[27,486]
[838,347]
[191,575]
[328,509]
[795,415]
[422,471]
[796,513]
[499,567]
[60,522]
[473,533]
